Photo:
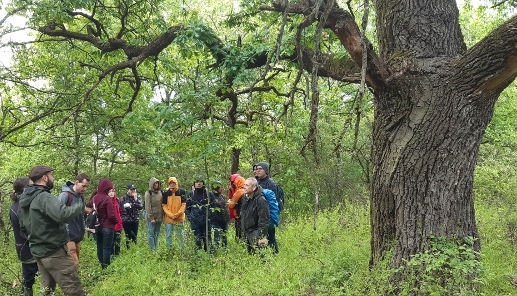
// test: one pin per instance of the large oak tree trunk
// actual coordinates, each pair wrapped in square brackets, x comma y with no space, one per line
[429,122]
[424,153]
[433,101]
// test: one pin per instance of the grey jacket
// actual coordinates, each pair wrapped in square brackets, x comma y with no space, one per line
[75,227]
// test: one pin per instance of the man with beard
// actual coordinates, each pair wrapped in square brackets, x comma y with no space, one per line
[43,218]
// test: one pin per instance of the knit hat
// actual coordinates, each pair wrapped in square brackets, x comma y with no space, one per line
[263,165]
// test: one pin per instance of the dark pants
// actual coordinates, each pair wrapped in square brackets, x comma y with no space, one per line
[251,241]
[29,271]
[200,236]
[104,245]
[115,248]
[239,234]
[271,237]
[59,268]
[220,234]
[131,231]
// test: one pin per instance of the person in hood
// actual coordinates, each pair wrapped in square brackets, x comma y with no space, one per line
[219,215]
[72,193]
[131,205]
[174,205]
[234,202]
[197,213]
[254,215]
[42,220]
[108,219]
[29,265]
[261,172]
[154,212]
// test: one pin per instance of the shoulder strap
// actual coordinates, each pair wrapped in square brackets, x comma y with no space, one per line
[70,198]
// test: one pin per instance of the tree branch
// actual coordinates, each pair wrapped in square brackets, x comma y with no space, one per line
[344,27]
[491,64]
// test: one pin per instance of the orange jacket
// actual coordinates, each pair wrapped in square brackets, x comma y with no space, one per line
[174,204]
[233,204]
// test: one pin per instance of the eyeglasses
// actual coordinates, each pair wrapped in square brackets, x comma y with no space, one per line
[257,169]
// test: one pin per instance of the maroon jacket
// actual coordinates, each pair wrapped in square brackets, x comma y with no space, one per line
[104,205]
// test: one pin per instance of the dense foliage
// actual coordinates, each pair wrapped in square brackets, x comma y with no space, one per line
[174,115]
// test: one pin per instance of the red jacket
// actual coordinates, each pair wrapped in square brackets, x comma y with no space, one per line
[116,208]
[104,205]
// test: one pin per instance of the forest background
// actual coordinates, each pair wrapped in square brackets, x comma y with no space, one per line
[188,112]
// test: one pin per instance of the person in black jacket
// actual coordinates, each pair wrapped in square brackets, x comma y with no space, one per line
[131,205]
[219,215]
[29,265]
[261,172]
[254,215]
[197,210]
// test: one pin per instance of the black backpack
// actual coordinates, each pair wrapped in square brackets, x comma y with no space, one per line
[93,224]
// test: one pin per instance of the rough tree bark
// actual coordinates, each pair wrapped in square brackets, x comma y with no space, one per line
[433,102]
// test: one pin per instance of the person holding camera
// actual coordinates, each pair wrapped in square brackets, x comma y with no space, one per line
[130,205]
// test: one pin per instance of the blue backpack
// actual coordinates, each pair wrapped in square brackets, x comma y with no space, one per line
[274,211]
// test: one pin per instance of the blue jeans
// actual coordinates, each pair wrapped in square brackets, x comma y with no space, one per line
[104,245]
[220,234]
[180,234]
[153,233]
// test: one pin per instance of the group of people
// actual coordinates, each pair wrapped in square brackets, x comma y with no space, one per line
[48,230]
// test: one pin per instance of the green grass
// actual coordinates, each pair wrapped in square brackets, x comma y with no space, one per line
[331,260]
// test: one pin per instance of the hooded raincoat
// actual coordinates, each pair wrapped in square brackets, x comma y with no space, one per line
[174,203]
[43,218]
[153,202]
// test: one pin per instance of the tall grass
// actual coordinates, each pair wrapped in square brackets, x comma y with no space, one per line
[329,260]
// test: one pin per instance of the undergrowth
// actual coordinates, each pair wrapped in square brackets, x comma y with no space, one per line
[329,260]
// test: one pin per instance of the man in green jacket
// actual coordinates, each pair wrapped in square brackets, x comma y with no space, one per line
[43,218]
